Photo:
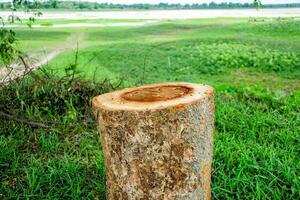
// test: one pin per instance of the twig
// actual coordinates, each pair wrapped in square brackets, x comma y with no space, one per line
[26,66]
[23,121]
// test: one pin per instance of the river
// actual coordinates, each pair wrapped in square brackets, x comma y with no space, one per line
[162,14]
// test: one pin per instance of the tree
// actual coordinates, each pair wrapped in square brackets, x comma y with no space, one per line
[257,4]
[53,3]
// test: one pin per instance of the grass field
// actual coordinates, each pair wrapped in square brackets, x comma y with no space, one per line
[254,67]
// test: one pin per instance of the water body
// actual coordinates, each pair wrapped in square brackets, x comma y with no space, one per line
[162,14]
[83,25]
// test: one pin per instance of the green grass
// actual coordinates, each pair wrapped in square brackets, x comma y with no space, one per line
[36,39]
[254,67]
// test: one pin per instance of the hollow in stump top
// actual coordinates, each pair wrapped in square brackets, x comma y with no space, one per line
[152,97]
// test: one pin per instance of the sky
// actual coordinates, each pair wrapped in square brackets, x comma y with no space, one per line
[185,1]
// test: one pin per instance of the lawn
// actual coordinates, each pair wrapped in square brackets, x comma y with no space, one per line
[254,67]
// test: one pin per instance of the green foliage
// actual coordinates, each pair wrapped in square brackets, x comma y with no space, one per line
[8,50]
[220,57]
[286,28]
[54,4]
[257,4]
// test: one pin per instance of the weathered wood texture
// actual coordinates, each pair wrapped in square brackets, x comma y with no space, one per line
[157,141]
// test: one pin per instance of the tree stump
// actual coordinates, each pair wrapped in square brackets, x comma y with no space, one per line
[157,141]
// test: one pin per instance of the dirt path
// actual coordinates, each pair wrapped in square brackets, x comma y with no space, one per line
[17,70]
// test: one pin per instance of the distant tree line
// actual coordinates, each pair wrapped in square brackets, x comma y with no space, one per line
[78,5]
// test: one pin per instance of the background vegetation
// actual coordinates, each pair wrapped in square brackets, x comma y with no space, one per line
[71,5]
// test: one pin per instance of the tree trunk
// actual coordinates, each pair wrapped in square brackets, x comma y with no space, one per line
[157,141]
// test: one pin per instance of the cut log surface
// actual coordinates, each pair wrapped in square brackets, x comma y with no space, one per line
[157,141]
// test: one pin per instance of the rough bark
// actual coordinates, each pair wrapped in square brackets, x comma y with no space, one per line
[157,141]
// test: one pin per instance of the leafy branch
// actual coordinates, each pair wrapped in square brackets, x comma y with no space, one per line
[9,51]
[257,4]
